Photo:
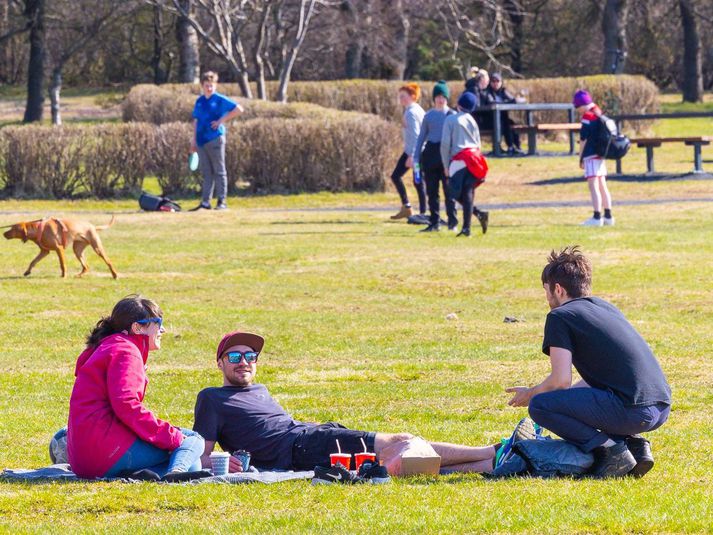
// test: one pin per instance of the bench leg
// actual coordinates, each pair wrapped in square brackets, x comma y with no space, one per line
[649,159]
[570,117]
[618,166]
[531,134]
[497,133]
[697,159]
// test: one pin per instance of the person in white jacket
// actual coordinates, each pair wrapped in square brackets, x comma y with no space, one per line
[409,95]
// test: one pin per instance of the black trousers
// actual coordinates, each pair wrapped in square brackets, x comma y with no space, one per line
[434,175]
[512,138]
[463,190]
[397,177]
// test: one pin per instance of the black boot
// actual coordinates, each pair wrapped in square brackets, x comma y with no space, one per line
[483,218]
[140,475]
[464,232]
[640,448]
[615,461]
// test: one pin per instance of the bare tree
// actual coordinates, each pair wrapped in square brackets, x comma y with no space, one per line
[692,59]
[258,50]
[304,15]
[35,13]
[615,42]
[190,61]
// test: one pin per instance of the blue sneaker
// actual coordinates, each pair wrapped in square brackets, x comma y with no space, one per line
[525,429]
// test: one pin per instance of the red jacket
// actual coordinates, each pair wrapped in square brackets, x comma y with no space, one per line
[475,162]
[106,410]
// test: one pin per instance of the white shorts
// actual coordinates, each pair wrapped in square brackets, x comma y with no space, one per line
[594,166]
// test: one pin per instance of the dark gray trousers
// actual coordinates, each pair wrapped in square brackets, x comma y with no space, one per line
[212,164]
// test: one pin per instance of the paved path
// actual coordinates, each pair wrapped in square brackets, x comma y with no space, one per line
[496,206]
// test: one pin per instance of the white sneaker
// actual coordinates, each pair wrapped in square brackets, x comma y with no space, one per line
[608,221]
[591,222]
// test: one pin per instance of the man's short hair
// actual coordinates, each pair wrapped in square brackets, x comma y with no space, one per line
[209,76]
[570,269]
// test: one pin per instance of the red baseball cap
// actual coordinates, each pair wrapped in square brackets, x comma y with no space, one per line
[239,338]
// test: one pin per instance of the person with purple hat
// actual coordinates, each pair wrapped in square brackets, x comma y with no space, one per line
[595,168]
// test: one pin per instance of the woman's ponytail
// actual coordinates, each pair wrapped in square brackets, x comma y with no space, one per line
[130,309]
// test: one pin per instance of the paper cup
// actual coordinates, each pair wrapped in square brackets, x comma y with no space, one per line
[359,458]
[344,458]
[220,461]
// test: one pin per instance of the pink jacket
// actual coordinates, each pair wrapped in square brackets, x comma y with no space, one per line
[106,410]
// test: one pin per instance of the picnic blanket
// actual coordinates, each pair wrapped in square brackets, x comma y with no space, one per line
[62,472]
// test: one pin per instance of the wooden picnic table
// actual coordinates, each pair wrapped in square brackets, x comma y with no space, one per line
[531,127]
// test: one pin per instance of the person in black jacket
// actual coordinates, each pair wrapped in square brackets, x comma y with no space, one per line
[496,92]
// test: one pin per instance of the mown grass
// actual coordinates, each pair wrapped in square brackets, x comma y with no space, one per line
[354,309]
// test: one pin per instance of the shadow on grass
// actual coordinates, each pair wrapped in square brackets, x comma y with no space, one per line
[656,177]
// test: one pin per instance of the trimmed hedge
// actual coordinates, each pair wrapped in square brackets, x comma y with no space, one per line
[616,94]
[335,151]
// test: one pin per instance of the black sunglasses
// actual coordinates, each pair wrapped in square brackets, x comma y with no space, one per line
[234,357]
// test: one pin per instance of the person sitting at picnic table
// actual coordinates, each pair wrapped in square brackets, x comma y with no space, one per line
[497,94]
[477,85]
[111,433]
[242,415]
[622,392]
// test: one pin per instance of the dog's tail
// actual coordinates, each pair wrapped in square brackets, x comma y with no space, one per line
[104,227]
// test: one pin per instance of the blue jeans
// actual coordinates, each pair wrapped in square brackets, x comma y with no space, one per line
[588,417]
[141,454]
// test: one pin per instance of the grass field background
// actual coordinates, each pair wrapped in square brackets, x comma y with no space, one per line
[354,308]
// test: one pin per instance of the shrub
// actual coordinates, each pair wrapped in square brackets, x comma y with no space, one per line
[334,151]
[616,94]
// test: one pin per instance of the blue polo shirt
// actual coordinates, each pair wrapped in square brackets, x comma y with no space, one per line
[208,110]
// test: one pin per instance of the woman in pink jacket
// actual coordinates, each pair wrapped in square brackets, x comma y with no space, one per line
[111,433]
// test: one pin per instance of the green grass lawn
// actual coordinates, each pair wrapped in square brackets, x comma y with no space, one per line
[353,308]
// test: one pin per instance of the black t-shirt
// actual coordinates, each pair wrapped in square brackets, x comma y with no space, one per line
[607,351]
[247,418]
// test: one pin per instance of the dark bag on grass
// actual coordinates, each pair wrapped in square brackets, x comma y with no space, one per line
[609,143]
[545,458]
[155,203]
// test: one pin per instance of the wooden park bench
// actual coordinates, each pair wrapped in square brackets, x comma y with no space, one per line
[653,142]
[540,128]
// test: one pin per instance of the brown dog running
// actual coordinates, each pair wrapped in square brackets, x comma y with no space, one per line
[56,235]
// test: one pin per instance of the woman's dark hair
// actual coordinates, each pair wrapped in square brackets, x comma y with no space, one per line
[130,309]
[571,269]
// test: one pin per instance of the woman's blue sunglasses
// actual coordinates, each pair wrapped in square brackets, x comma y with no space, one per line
[151,320]
[234,357]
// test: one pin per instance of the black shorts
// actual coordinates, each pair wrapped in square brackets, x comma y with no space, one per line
[313,446]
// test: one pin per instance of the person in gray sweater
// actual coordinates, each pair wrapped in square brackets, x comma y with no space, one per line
[412,118]
[429,161]
[460,133]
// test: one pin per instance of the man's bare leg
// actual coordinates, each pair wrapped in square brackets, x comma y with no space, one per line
[455,457]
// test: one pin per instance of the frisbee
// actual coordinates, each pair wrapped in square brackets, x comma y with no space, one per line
[193,161]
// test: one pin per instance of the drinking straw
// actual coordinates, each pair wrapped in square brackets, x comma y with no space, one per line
[339,449]
[363,443]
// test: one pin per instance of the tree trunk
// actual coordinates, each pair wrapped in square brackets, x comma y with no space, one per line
[400,52]
[614,29]
[190,62]
[353,24]
[305,16]
[159,75]
[35,11]
[517,17]
[243,77]
[692,59]
[55,89]
[257,53]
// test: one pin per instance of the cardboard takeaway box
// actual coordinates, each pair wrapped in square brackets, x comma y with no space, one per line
[419,458]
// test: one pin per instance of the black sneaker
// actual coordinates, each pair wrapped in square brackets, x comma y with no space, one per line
[374,473]
[431,228]
[326,475]
[201,206]
[615,461]
[483,217]
[640,448]
[181,477]
[465,233]
[221,205]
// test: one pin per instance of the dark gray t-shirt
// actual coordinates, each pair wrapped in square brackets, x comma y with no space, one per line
[247,418]
[607,351]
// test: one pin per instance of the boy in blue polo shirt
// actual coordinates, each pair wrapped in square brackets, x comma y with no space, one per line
[212,110]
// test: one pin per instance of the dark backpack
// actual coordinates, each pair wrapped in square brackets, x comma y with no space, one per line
[608,142]
[154,203]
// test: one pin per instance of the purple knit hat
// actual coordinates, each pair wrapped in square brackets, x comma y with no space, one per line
[581,98]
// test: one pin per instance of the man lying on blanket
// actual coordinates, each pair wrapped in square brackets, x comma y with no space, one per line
[241,415]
